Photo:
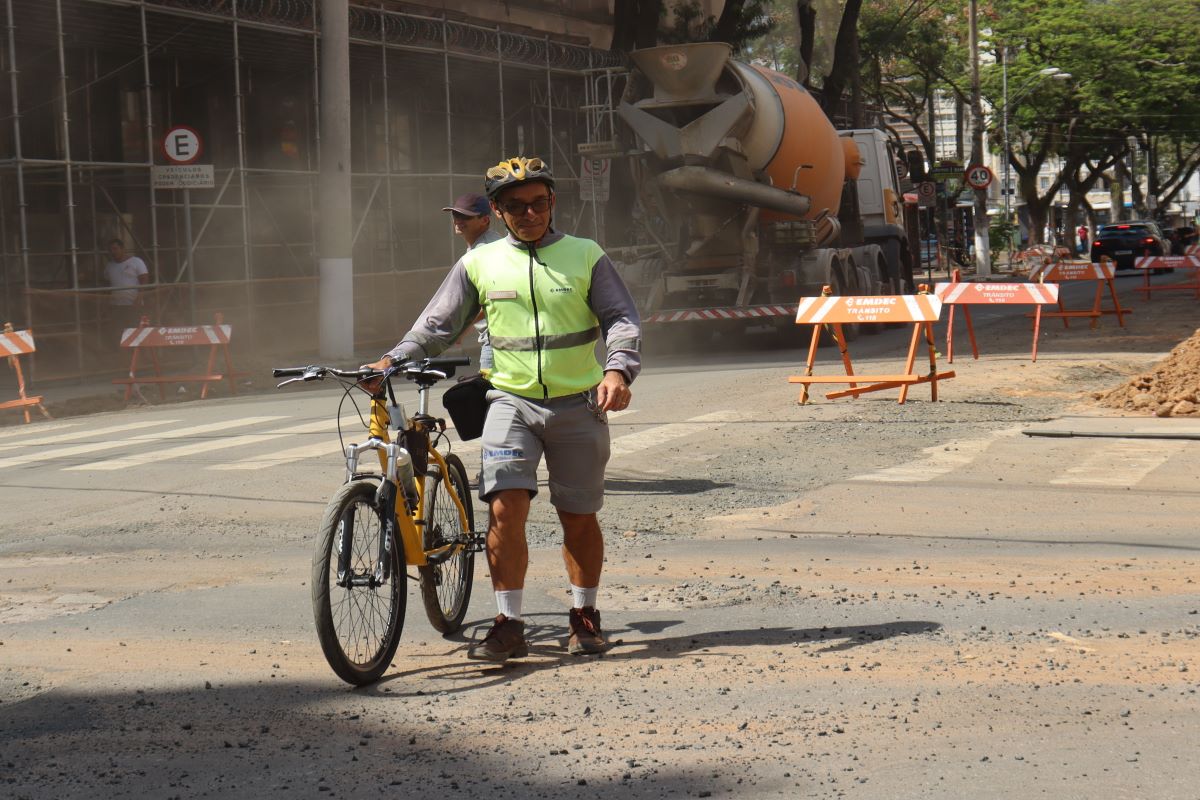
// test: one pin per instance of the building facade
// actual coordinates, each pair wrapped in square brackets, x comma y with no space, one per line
[91,86]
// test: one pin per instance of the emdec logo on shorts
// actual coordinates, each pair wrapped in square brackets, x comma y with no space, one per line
[504,454]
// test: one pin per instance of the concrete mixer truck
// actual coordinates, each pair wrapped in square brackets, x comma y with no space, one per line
[748,197]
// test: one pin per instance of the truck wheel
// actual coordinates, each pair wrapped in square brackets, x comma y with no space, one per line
[877,275]
[843,280]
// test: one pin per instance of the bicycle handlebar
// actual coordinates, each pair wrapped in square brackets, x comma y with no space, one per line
[315,372]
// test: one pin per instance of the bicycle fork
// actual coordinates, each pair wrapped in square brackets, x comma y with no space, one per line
[395,458]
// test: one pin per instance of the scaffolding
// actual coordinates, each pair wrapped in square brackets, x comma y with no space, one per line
[93,84]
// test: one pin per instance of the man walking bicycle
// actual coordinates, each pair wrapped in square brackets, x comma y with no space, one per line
[547,298]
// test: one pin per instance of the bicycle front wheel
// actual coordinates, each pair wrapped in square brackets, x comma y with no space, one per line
[446,586]
[359,586]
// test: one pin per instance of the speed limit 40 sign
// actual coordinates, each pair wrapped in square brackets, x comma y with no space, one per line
[978,176]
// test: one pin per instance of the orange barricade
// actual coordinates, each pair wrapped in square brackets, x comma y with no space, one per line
[1147,263]
[921,309]
[1069,271]
[14,344]
[146,337]
[957,293]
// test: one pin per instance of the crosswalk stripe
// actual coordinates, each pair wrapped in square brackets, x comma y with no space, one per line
[87,433]
[661,434]
[940,459]
[1120,462]
[26,430]
[152,456]
[277,457]
[95,447]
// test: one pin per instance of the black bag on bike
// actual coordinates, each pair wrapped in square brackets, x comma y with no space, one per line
[467,404]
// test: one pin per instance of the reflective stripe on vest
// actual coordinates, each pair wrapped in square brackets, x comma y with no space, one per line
[557,358]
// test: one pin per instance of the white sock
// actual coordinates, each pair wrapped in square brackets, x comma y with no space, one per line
[584,598]
[508,603]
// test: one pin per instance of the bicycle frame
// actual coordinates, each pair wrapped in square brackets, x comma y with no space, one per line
[408,514]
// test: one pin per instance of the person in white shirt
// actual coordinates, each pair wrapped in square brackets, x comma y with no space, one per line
[125,273]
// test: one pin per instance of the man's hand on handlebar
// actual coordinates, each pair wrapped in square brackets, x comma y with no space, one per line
[380,365]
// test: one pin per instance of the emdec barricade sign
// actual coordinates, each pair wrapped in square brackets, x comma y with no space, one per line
[967,294]
[13,345]
[833,311]
[1189,262]
[1072,271]
[150,338]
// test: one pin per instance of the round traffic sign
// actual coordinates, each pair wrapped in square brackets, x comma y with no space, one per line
[182,145]
[927,189]
[978,176]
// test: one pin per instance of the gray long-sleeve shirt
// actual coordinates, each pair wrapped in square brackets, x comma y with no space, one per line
[456,304]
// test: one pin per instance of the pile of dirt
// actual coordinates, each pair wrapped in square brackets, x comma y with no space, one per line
[1171,389]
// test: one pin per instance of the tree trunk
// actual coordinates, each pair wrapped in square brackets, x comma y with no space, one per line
[624,25]
[1039,213]
[845,60]
[1116,193]
[648,15]
[635,24]
[727,24]
[806,32]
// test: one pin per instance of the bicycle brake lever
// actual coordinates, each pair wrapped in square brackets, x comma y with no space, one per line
[289,380]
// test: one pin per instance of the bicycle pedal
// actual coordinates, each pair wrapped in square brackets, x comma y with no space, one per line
[478,542]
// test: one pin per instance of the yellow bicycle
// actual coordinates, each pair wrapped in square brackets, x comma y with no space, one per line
[415,511]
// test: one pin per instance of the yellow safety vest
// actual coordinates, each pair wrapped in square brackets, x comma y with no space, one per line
[543,331]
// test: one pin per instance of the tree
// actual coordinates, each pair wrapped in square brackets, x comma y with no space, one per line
[646,23]
[1128,81]
[910,52]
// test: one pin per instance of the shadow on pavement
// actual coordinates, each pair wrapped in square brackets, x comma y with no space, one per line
[547,649]
[286,739]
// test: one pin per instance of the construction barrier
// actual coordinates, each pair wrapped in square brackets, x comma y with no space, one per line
[1071,271]
[13,345]
[723,312]
[148,338]
[1192,250]
[921,309]
[957,293]
[1147,263]
[1036,256]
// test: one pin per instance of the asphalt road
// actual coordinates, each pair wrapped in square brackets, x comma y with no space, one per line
[848,598]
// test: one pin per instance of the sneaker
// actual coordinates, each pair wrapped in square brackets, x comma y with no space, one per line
[505,640]
[586,637]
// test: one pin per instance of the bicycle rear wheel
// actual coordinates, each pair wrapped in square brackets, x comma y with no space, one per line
[359,614]
[446,586]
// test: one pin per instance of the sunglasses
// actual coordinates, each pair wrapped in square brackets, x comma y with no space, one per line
[516,208]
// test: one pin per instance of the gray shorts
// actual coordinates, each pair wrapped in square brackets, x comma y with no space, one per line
[572,435]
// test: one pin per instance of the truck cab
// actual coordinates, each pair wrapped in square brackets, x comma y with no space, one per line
[881,204]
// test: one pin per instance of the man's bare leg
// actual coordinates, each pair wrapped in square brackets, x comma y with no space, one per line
[508,559]
[507,548]
[583,553]
[583,548]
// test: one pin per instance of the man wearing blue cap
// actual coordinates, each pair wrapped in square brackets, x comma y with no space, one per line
[472,216]
[472,220]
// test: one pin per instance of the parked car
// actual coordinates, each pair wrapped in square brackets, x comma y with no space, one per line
[1125,241]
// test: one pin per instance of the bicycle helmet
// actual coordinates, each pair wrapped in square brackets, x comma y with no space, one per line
[514,171]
